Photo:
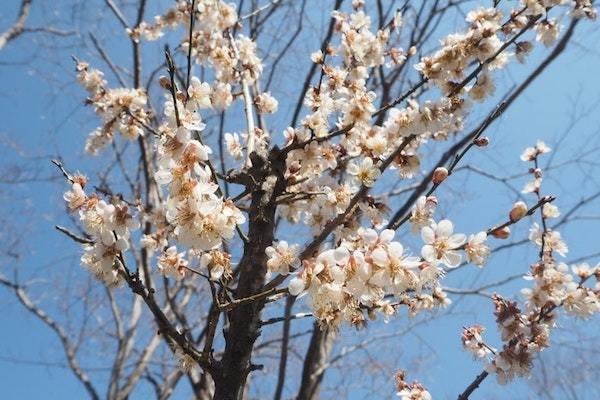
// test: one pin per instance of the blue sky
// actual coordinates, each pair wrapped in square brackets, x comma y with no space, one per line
[43,116]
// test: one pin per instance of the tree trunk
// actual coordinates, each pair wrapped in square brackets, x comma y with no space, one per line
[315,362]
[244,320]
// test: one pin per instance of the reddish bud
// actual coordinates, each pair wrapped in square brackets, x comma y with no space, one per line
[518,211]
[431,200]
[439,175]
[481,141]
[164,82]
[82,180]
[501,233]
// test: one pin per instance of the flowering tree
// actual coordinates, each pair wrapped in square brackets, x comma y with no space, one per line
[206,231]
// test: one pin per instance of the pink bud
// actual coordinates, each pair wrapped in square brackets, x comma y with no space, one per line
[439,175]
[518,211]
[501,233]
[481,141]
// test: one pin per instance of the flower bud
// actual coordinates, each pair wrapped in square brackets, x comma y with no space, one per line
[518,211]
[164,82]
[431,201]
[439,175]
[501,233]
[81,179]
[481,141]
[296,286]
[317,57]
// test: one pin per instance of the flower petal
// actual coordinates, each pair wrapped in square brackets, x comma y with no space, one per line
[428,235]
[428,253]
[380,257]
[445,228]
[457,240]
[296,286]
[452,259]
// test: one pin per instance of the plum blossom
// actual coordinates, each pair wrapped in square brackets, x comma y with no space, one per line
[531,153]
[441,244]
[296,285]
[121,110]
[266,103]
[473,342]
[547,32]
[218,264]
[476,249]
[422,213]
[172,263]
[76,197]
[234,146]
[552,240]
[199,94]
[365,173]
[282,257]
[410,391]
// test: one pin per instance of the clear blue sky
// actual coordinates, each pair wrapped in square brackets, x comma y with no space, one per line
[42,116]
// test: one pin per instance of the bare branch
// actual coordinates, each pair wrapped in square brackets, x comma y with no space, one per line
[19,26]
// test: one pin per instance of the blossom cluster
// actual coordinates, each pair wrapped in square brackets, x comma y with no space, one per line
[473,342]
[121,109]
[368,267]
[317,161]
[194,214]
[410,391]
[211,44]
[109,225]
[344,282]
[525,331]
[334,157]
[327,166]
[199,216]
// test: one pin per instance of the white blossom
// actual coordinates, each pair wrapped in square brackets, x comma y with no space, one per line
[441,243]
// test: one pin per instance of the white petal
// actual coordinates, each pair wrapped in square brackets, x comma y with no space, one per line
[364,271]
[452,259]
[457,240]
[387,235]
[352,169]
[411,262]
[370,235]
[205,259]
[444,228]
[122,244]
[395,249]
[380,257]
[341,255]
[428,253]
[270,251]
[338,275]
[217,272]
[163,177]
[380,278]
[428,235]
[296,286]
